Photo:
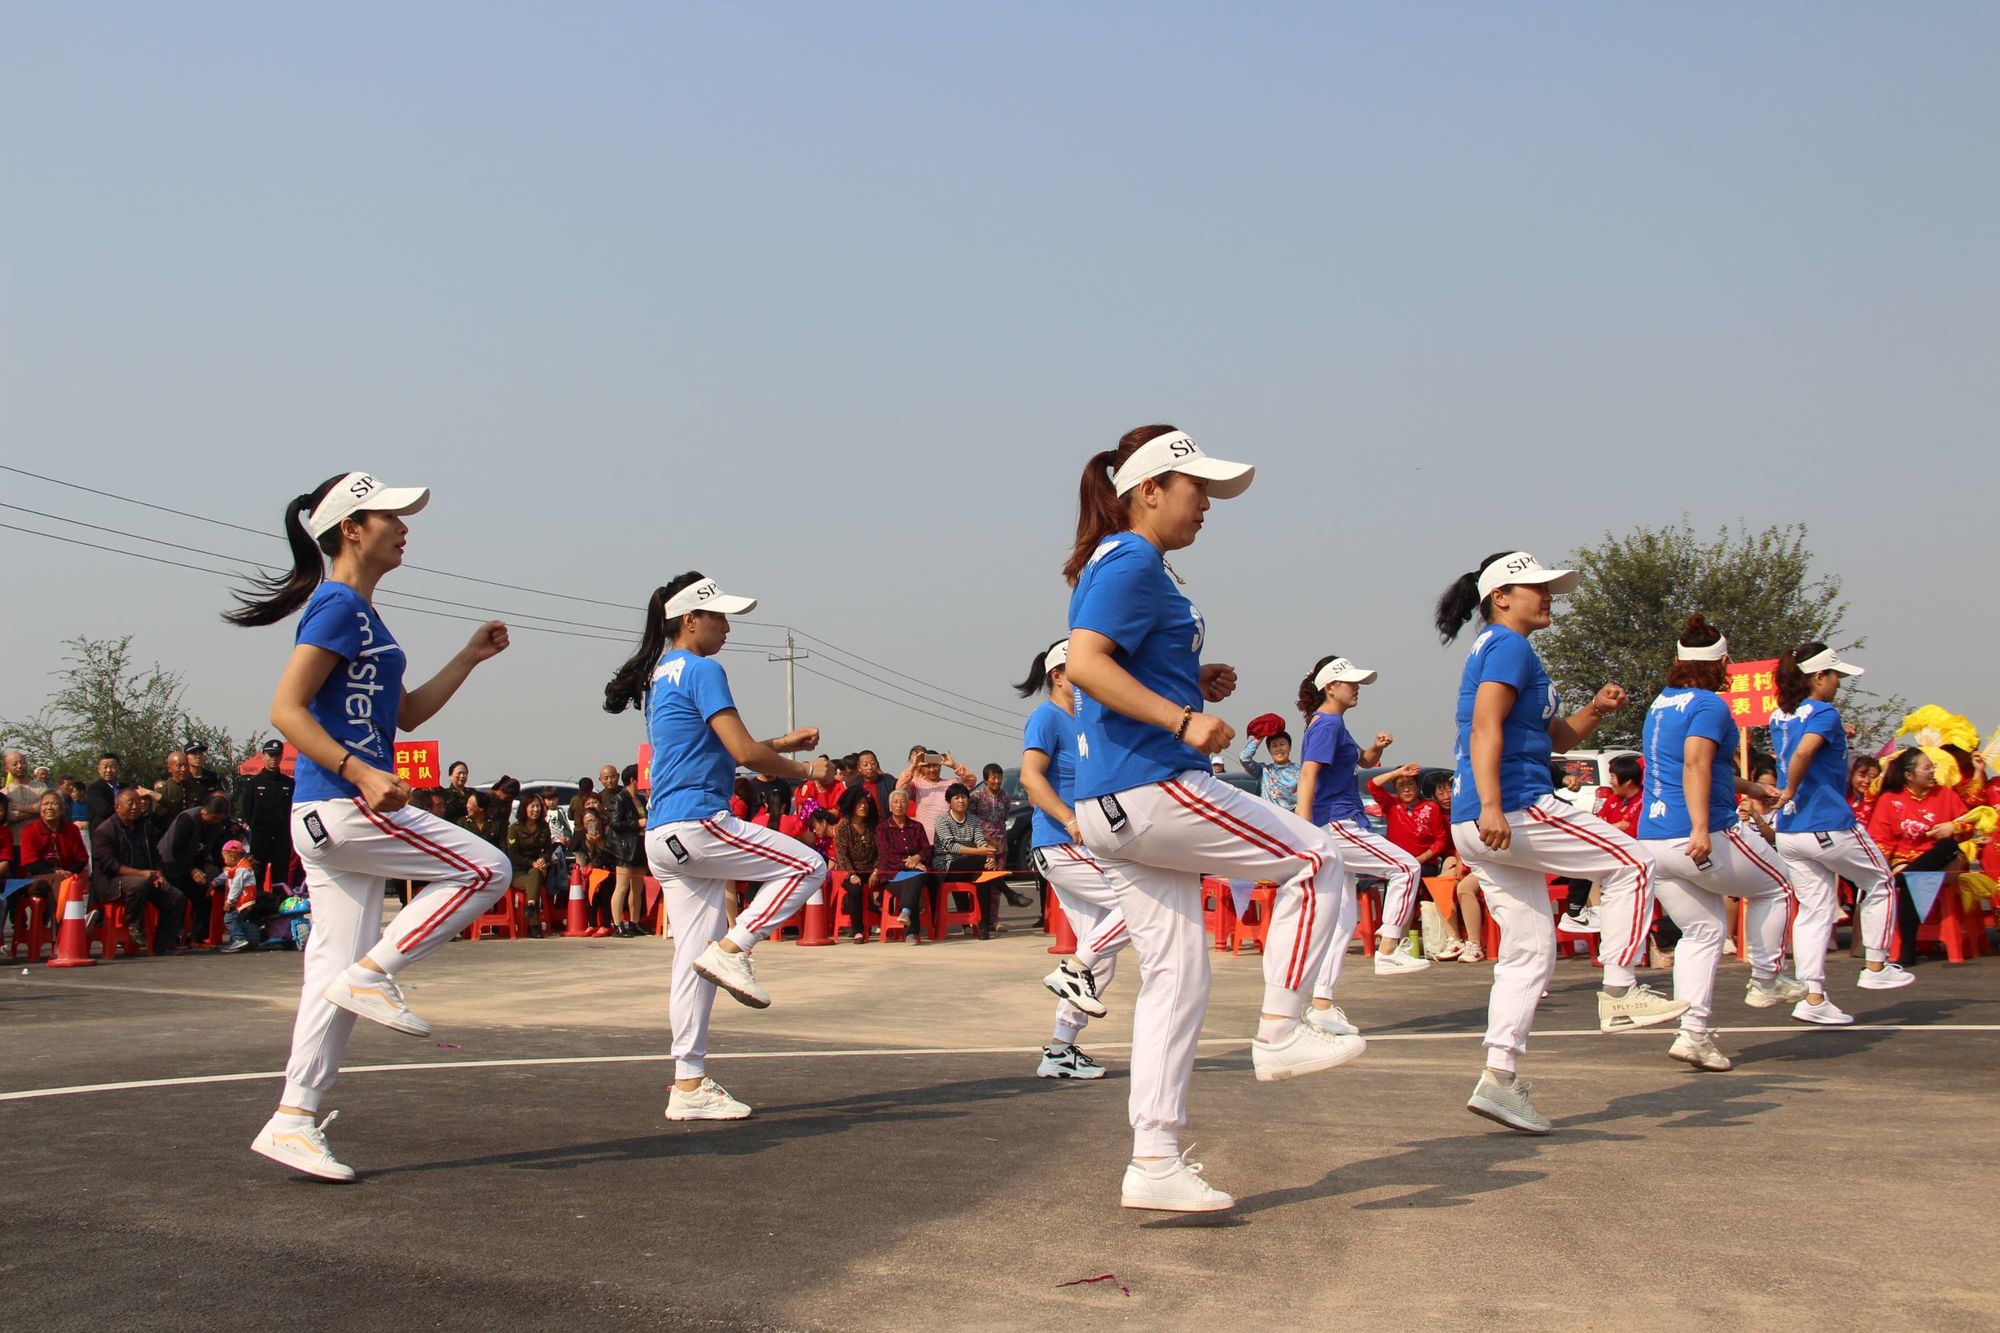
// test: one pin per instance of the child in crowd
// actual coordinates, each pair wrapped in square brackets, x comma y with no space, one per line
[245,910]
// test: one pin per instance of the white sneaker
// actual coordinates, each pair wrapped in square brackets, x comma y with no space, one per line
[302,1148]
[1781,989]
[1400,962]
[1307,1050]
[379,999]
[1580,923]
[1078,986]
[1729,947]
[734,973]
[1332,1020]
[1472,953]
[1826,1013]
[1173,1186]
[1891,977]
[1508,1104]
[1068,1063]
[1447,951]
[1639,1007]
[1698,1049]
[707,1102]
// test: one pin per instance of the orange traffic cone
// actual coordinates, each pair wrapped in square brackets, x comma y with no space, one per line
[1059,926]
[72,940]
[817,926]
[579,918]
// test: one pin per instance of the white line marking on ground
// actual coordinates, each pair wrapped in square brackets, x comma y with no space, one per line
[31,1094]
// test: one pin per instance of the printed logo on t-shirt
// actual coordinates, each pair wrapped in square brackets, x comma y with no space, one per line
[1200,628]
[1552,705]
[1104,548]
[671,671]
[1083,745]
[362,684]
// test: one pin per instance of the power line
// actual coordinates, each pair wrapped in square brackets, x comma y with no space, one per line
[1006,715]
[908,708]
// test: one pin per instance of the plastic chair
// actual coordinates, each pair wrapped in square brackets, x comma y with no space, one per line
[509,917]
[1256,922]
[889,913]
[870,917]
[1219,911]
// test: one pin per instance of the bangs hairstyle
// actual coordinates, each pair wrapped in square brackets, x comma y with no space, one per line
[634,680]
[268,600]
[1698,633]
[1793,684]
[1461,599]
[1896,773]
[1100,510]
[1038,675]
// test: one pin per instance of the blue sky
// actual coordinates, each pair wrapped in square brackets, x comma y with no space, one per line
[833,301]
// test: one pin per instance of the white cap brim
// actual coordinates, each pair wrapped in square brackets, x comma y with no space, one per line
[705,594]
[1057,658]
[1829,661]
[341,501]
[1520,567]
[1176,451]
[1344,671]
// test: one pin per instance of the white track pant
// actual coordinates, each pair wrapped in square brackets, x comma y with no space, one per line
[1155,843]
[1365,852]
[1551,838]
[1739,867]
[1091,904]
[695,861]
[347,850]
[1817,870]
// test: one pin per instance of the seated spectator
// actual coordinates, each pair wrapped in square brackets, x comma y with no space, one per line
[1411,821]
[924,779]
[1863,775]
[813,796]
[73,792]
[903,859]
[246,908]
[562,835]
[50,850]
[959,848]
[191,858]
[101,796]
[592,850]
[1917,823]
[854,859]
[24,793]
[527,848]
[172,794]
[456,792]
[125,868]
[1464,917]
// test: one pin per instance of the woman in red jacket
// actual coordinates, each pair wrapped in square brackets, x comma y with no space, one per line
[1418,824]
[50,848]
[1917,824]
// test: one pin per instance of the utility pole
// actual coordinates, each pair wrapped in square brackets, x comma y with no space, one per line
[792,654]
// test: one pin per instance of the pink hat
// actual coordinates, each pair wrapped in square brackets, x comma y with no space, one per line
[233,846]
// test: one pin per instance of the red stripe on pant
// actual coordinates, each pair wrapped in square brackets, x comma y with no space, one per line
[1081,859]
[1256,837]
[1407,873]
[1639,917]
[1735,835]
[801,869]
[1107,939]
[1874,855]
[481,875]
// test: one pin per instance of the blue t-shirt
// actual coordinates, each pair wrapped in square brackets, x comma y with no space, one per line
[1680,712]
[1336,795]
[1053,732]
[1126,595]
[1821,804]
[693,773]
[1500,654]
[358,703]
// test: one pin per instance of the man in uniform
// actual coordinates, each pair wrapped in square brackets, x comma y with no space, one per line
[172,794]
[202,782]
[265,807]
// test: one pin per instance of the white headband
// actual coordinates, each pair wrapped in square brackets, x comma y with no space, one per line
[1713,652]
[707,595]
[1056,657]
[1827,660]
[1176,451]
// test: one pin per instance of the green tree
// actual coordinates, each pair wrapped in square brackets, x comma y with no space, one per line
[1623,620]
[106,701]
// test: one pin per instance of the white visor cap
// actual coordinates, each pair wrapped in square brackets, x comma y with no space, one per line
[358,491]
[1343,670]
[1710,652]
[1176,451]
[1520,567]
[705,594]
[1056,657]
[1828,660]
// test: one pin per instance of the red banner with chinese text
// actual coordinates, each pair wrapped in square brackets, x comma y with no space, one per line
[1752,692]
[417,763]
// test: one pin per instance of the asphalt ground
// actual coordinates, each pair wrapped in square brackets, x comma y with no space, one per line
[906,1169]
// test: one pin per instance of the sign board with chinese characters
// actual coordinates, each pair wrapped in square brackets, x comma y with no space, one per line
[417,763]
[645,766]
[1752,692]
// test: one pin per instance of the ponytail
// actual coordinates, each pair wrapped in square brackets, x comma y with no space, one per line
[274,597]
[1461,599]
[1793,684]
[1100,510]
[1038,675]
[628,689]
[1312,696]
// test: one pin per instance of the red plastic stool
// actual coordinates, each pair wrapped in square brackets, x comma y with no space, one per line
[1219,910]
[891,914]
[1256,922]
[944,916]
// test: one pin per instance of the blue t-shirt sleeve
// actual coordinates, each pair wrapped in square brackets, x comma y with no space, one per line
[331,623]
[1121,601]
[1510,661]
[1322,739]
[1709,719]
[708,688]
[1824,722]
[1040,734]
